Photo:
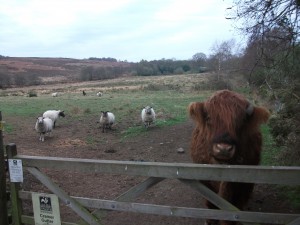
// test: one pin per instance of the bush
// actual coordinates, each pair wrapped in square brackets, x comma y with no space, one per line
[32,93]
[285,128]
[213,83]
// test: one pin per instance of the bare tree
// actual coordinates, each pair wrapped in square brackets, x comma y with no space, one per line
[221,55]
[272,28]
[259,17]
[272,25]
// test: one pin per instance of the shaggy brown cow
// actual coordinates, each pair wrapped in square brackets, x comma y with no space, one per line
[227,132]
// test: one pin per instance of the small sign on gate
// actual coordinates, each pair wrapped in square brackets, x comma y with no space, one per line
[15,170]
[46,209]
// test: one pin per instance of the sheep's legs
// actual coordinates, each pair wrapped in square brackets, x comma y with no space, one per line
[42,137]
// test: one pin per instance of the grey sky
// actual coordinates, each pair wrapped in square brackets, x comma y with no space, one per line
[123,29]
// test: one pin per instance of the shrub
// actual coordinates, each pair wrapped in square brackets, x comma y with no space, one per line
[32,93]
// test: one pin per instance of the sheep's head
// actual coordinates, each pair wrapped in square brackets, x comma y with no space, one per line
[61,113]
[104,114]
[148,110]
[40,120]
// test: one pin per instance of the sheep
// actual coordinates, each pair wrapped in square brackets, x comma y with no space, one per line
[55,94]
[107,119]
[43,125]
[148,116]
[54,115]
[99,94]
[83,93]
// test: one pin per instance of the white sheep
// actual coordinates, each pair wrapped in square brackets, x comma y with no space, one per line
[99,94]
[54,115]
[43,125]
[148,116]
[55,94]
[107,119]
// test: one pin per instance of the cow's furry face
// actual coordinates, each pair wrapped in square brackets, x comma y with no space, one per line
[223,120]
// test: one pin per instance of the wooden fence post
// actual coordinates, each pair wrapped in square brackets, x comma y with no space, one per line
[3,199]
[11,150]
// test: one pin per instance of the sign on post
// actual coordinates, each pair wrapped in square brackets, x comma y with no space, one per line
[46,209]
[15,170]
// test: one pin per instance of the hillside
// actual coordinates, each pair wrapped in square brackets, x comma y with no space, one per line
[31,71]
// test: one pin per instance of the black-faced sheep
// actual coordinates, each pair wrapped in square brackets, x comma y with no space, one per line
[148,116]
[107,119]
[83,93]
[43,125]
[54,115]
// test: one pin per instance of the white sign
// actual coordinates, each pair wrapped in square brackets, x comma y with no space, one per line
[15,170]
[45,209]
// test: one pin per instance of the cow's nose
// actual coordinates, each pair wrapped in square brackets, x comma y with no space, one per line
[223,147]
[223,151]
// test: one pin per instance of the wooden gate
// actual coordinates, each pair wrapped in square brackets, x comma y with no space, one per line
[187,173]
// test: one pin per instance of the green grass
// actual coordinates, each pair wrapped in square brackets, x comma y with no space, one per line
[269,158]
[170,106]
[270,150]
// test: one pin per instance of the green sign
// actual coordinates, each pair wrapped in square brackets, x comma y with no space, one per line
[45,209]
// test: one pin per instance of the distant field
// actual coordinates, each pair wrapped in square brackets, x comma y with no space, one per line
[125,97]
[176,82]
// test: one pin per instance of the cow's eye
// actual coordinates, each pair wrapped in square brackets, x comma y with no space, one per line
[207,119]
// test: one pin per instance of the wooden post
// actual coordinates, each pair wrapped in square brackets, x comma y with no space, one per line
[16,203]
[3,200]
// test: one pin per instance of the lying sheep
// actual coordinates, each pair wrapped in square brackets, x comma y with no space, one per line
[107,119]
[55,94]
[99,94]
[148,116]
[43,125]
[54,115]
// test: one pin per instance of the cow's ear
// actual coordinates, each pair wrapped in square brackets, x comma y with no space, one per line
[260,115]
[196,111]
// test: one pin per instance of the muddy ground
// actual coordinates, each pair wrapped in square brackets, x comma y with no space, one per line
[156,145]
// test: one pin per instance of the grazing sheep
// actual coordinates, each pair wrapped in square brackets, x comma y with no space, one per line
[55,94]
[43,125]
[148,116]
[54,115]
[107,119]
[83,92]
[99,94]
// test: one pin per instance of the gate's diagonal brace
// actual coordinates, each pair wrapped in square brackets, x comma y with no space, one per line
[133,192]
[139,189]
[211,196]
[73,204]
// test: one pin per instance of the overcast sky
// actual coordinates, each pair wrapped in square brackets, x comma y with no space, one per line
[129,30]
